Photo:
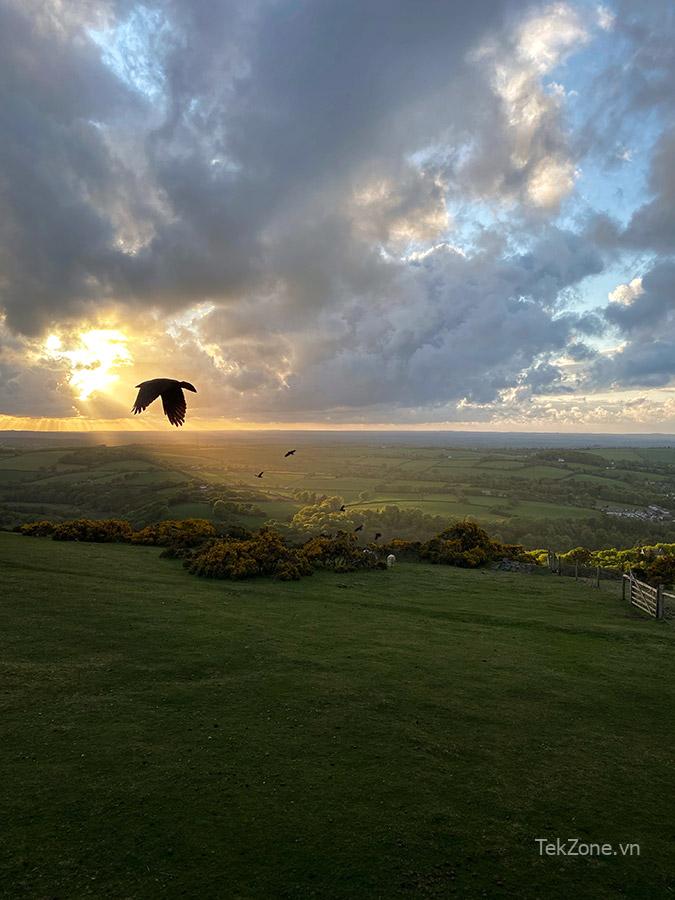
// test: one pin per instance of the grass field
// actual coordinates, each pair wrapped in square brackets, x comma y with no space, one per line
[407,733]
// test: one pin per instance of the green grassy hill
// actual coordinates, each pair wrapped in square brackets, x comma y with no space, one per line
[407,733]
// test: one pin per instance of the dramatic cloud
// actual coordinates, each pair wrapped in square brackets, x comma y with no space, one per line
[320,211]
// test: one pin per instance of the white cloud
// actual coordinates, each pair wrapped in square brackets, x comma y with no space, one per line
[625,294]
[551,180]
[531,160]
[605,17]
[546,38]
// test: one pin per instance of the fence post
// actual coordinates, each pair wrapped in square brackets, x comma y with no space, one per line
[576,571]
[597,577]
[659,601]
[623,586]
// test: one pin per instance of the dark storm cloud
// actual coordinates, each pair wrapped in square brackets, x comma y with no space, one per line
[269,108]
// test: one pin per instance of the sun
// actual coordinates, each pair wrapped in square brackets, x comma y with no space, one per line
[95,354]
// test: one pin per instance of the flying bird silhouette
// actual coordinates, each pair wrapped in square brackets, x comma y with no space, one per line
[260,474]
[171,392]
[289,453]
[358,528]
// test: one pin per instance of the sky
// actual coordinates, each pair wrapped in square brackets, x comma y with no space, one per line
[339,214]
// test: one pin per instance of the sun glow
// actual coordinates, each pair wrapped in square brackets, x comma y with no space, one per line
[92,359]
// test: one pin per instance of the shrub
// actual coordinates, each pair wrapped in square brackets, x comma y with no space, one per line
[95,530]
[401,549]
[265,553]
[578,555]
[225,510]
[660,570]
[467,545]
[38,529]
[341,553]
[175,533]
[540,557]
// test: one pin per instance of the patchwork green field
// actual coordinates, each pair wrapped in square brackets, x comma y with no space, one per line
[554,498]
[407,733]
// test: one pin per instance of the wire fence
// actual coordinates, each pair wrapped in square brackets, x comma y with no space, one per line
[653,600]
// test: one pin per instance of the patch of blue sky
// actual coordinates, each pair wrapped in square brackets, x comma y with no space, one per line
[469,220]
[134,48]
[614,165]
[593,292]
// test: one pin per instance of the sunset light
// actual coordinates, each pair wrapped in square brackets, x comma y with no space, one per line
[92,360]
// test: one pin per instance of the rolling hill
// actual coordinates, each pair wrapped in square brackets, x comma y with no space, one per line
[408,733]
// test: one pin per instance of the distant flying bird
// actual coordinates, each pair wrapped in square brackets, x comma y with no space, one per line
[343,508]
[289,453]
[359,528]
[260,474]
[171,392]
[377,535]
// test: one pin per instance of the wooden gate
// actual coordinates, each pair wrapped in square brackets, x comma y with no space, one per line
[647,598]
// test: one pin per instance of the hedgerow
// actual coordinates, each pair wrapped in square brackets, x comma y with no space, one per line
[94,530]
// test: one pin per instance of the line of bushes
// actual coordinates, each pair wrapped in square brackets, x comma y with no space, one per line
[234,553]
[237,553]
[266,553]
[463,544]
[177,532]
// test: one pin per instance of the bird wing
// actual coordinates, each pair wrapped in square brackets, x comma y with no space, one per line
[173,401]
[149,391]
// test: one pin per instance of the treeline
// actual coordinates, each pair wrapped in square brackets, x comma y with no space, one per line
[91,457]
[653,563]
[325,515]
[594,532]
[580,457]
[568,492]
[141,496]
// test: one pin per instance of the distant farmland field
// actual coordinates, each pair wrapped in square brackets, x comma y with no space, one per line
[558,498]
